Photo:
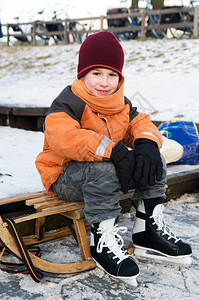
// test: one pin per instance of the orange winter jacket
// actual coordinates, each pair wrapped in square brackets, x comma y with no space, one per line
[74,132]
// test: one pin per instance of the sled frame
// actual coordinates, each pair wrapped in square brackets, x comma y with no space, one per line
[44,206]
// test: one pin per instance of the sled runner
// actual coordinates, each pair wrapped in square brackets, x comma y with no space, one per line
[9,242]
[47,206]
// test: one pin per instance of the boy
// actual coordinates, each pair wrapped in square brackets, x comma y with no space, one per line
[85,158]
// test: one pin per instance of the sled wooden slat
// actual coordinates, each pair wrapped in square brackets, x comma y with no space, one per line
[22,197]
[36,200]
[49,211]
[50,235]
[74,215]
[48,204]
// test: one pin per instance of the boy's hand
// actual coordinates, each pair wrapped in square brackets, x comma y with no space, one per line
[124,162]
[148,163]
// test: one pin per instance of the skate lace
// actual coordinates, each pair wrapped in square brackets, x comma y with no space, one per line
[112,240]
[159,221]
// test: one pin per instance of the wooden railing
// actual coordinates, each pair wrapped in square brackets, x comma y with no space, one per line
[103,20]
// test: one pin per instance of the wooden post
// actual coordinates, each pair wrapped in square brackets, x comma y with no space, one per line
[102,23]
[33,33]
[134,4]
[40,226]
[66,37]
[8,35]
[143,28]
[80,231]
[195,22]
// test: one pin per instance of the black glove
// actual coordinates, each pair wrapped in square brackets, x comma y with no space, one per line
[148,163]
[124,162]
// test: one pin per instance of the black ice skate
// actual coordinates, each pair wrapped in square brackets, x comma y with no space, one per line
[153,240]
[107,250]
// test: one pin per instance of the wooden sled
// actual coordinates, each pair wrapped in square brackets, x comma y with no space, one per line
[46,206]
[9,242]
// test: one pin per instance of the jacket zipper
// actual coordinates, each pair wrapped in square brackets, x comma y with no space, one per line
[106,124]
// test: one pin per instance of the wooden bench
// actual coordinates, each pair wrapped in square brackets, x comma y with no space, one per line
[45,206]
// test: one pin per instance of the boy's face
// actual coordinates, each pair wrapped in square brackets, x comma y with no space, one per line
[101,82]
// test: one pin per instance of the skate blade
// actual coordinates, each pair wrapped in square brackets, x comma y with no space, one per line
[131,281]
[155,256]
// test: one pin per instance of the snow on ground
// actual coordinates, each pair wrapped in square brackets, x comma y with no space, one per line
[161,79]
[163,73]
[19,149]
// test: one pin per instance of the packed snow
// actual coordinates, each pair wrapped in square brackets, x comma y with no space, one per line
[161,78]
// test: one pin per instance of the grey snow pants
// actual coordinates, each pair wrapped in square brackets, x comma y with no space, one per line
[97,185]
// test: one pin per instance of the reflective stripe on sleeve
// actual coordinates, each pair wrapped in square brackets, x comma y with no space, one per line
[151,134]
[102,146]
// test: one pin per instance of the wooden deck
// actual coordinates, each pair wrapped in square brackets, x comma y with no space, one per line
[30,118]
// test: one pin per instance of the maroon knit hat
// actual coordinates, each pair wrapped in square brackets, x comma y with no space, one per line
[101,49]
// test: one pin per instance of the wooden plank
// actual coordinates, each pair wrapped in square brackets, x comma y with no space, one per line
[41,196]
[181,183]
[169,10]
[75,215]
[49,211]
[49,204]
[34,201]
[40,203]
[182,176]
[21,197]
[5,110]
[29,111]
[168,25]
[48,236]
[70,206]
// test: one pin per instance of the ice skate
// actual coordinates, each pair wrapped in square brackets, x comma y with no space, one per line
[154,241]
[109,253]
